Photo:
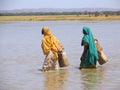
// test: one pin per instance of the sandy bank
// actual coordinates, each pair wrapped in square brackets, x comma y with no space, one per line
[57,17]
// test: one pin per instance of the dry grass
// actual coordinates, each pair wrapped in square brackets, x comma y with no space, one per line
[57,17]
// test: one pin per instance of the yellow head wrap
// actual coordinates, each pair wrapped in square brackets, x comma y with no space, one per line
[46,30]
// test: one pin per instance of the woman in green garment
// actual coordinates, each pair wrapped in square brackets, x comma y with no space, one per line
[90,55]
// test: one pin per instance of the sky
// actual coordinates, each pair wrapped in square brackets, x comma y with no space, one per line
[36,4]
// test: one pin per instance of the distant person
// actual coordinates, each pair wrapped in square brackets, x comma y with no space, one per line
[50,46]
[90,55]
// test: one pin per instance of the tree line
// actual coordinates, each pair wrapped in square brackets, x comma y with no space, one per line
[95,13]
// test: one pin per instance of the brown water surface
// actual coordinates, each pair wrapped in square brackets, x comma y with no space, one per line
[21,56]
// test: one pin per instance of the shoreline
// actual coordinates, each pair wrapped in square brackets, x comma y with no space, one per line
[57,17]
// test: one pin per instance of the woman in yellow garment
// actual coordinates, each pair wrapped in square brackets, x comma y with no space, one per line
[50,46]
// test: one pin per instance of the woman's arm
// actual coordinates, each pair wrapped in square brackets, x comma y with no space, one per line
[84,51]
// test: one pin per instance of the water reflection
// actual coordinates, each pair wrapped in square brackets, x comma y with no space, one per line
[92,78]
[55,80]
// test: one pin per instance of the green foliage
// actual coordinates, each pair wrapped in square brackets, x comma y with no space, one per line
[106,13]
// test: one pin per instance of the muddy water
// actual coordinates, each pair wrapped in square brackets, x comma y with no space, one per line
[21,57]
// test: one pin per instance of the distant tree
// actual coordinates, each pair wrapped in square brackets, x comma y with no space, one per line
[96,14]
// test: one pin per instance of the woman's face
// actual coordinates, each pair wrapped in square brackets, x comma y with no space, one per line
[42,32]
[84,32]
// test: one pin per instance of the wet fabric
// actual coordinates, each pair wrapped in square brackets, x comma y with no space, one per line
[91,56]
[49,64]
